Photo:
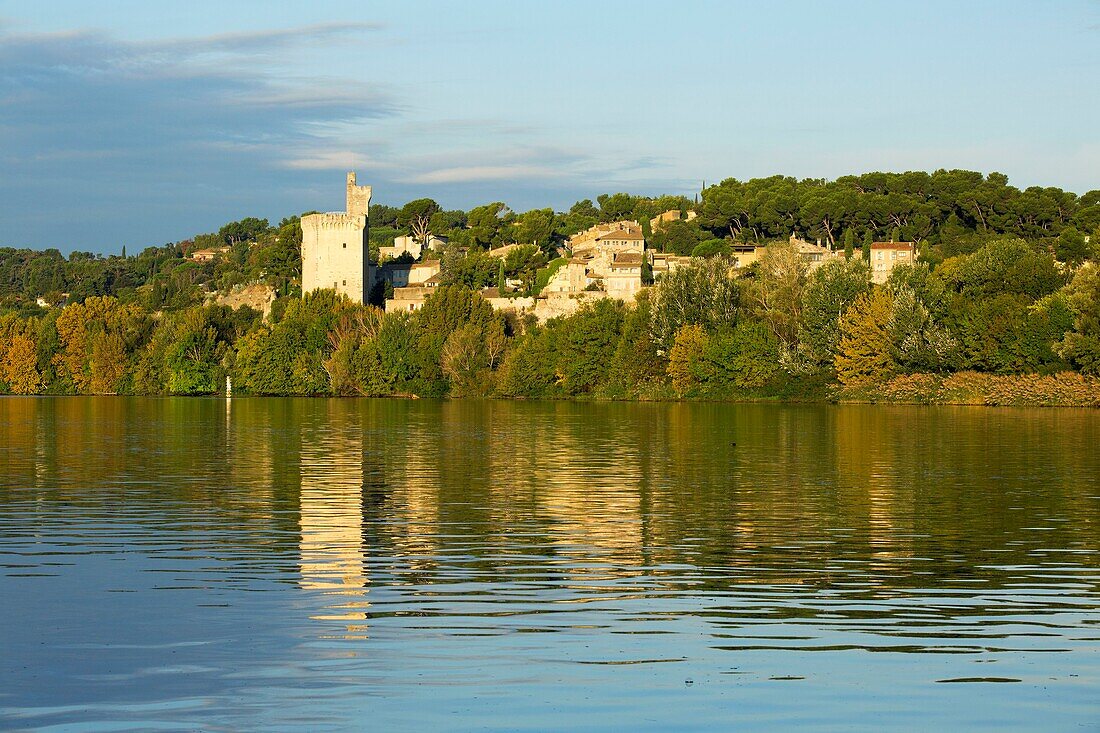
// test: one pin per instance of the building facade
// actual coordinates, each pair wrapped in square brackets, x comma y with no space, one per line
[334,247]
[885,256]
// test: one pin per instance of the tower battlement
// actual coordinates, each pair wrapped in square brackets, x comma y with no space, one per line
[358,197]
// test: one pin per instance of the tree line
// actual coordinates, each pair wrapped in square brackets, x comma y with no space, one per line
[706,329]
[1005,284]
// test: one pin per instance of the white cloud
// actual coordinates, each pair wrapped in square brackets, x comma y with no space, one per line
[334,159]
[464,174]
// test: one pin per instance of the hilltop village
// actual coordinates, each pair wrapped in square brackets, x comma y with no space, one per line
[605,260]
[950,286]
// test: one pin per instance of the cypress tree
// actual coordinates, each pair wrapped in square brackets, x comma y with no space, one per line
[868,240]
[849,244]
[895,236]
[500,277]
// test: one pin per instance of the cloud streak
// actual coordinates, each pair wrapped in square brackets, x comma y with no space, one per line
[153,125]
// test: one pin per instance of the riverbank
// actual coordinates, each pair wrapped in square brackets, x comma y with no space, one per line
[1064,389]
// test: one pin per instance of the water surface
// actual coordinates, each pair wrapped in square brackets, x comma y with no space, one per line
[347,564]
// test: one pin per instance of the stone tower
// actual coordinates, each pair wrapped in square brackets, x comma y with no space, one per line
[334,247]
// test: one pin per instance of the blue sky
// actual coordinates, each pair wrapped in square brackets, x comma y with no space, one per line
[138,123]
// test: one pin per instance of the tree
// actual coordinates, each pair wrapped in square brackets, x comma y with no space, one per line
[829,290]
[529,369]
[636,363]
[1071,247]
[745,357]
[777,292]
[1006,266]
[464,358]
[919,342]
[1081,346]
[385,361]
[685,358]
[245,230]
[680,237]
[446,310]
[287,357]
[703,293]
[864,352]
[616,207]
[586,345]
[868,240]
[537,227]
[849,244]
[416,217]
[20,365]
[95,341]
[712,247]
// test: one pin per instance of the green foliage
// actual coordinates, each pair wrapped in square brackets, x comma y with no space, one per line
[746,357]
[1081,346]
[585,345]
[445,311]
[678,237]
[829,290]
[994,300]
[704,293]
[248,229]
[415,217]
[545,274]
[777,292]
[529,368]
[1006,266]
[711,248]
[385,362]
[287,357]
[685,359]
[637,366]
[1071,247]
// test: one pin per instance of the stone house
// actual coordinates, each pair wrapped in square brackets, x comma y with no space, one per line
[885,256]
[208,255]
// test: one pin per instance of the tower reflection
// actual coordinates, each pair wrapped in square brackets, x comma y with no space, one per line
[331,548]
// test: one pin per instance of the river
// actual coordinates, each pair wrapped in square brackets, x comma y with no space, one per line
[328,564]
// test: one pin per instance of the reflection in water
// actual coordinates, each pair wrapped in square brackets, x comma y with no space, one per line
[331,516]
[574,564]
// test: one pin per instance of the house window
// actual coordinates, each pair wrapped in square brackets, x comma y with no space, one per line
[345,282]
[345,245]
[334,286]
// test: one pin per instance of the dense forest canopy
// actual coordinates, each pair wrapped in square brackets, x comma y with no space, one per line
[1005,284]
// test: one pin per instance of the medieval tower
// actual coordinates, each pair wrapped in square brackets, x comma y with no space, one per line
[334,247]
